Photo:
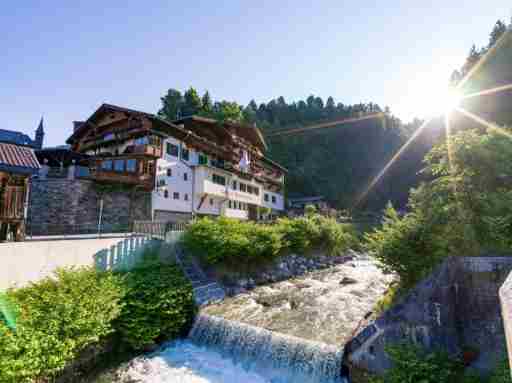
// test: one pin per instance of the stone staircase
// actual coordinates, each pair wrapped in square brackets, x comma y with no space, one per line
[206,290]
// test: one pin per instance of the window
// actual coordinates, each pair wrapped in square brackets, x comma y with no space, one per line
[230,204]
[141,141]
[175,195]
[219,180]
[106,165]
[172,149]
[266,197]
[273,199]
[203,160]
[131,165]
[211,201]
[185,176]
[243,187]
[119,165]
[256,190]
[234,185]
[169,172]
[166,194]
[219,163]
[185,197]
[184,154]
[161,182]
[249,189]
[235,205]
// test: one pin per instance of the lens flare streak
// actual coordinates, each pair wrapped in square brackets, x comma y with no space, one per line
[395,157]
[326,124]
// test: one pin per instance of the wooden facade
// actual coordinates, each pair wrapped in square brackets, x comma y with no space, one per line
[13,196]
[17,164]
[124,144]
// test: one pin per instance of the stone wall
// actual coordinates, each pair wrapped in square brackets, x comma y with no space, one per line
[65,206]
[289,266]
[455,309]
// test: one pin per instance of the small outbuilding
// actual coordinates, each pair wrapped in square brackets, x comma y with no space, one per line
[17,164]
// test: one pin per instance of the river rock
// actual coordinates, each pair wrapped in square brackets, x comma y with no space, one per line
[347,281]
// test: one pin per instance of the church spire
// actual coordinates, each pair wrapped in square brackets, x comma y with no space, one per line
[38,142]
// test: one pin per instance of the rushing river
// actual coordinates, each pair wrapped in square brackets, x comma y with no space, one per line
[287,332]
[220,351]
[325,305]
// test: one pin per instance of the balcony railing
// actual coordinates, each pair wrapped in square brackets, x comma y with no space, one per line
[12,203]
[148,150]
[110,176]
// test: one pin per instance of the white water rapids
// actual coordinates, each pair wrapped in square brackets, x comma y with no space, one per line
[220,351]
[311,318]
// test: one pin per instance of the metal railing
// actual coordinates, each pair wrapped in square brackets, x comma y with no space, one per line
[157,229]
[81,229]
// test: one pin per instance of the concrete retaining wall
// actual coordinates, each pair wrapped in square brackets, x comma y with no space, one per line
[24,262]
[456,309]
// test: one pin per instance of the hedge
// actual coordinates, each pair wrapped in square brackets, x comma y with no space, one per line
[158,305]
[230,241]
[47,324]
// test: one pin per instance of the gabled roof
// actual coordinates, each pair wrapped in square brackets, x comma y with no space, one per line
[14,137]
[250,132]
[18,159]
[81,127]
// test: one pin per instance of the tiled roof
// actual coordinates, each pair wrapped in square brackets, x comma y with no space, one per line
[17,138]
[17,158]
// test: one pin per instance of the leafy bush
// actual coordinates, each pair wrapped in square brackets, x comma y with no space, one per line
[405,246]
[58,317]
[309,210]
[158,305]
[231,241]
[414,365]
[501,374]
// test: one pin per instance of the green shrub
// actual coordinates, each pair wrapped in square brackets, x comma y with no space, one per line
[310,210]
[414,365]
[158,305]
[501,373]
[58,317]
[234,242]
[300,234]
[405,246]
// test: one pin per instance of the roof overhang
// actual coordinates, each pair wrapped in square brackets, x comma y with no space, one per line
[18,159]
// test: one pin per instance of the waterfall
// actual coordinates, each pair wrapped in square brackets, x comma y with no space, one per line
[280,357]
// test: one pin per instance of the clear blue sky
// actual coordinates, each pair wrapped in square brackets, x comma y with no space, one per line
[64,58]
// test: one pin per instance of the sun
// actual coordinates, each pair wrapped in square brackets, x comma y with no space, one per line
[449,100]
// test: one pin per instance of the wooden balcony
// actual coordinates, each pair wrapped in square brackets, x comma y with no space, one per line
[12,203]
[145,181]
[147,150]
[134,169]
